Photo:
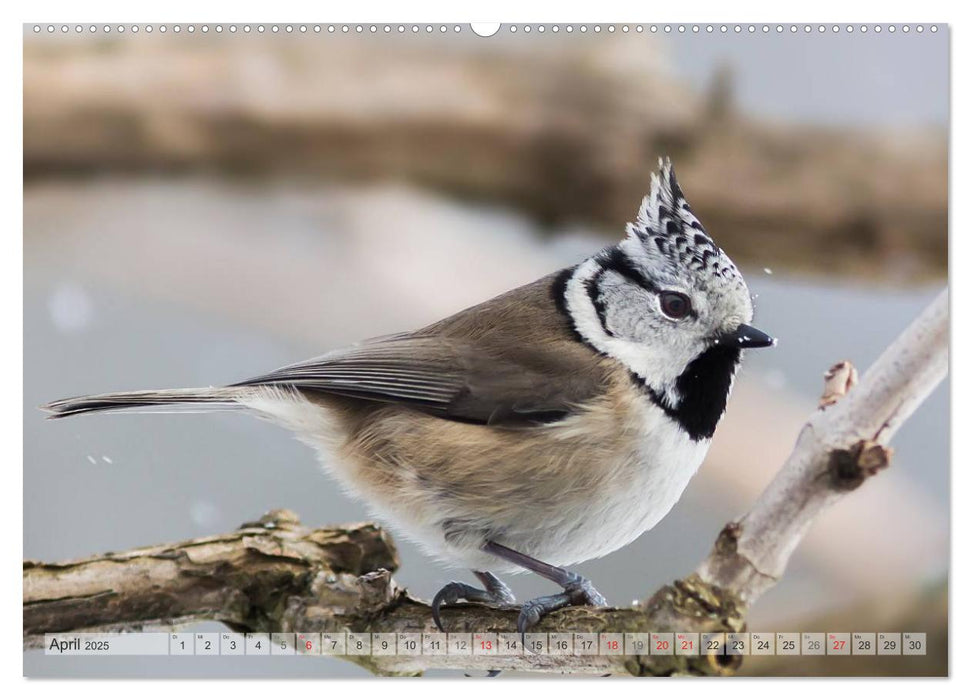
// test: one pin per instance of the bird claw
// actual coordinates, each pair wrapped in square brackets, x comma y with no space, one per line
[532,612]
[455,591]
[577,592]
[451,593]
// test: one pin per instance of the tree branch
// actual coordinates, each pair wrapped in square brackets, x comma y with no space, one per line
[242,578]
[839,447]
[277,576]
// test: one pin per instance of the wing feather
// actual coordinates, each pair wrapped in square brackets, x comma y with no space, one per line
[446,376]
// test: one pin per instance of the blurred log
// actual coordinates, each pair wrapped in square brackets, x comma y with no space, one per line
[565,131]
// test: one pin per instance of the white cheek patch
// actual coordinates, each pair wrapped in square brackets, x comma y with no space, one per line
[655,369]
[629,310]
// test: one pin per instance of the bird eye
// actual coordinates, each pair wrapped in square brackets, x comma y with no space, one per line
[675,304]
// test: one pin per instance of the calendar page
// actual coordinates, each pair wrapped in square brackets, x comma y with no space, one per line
[611,349]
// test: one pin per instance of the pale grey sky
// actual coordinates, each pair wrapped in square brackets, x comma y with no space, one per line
[871,79]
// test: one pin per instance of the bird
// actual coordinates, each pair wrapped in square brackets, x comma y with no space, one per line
[548,426]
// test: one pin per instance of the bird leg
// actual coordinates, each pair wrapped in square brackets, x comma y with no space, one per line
[495,592]
[577,589]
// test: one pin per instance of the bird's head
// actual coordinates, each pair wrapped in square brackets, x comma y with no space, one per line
[666,298]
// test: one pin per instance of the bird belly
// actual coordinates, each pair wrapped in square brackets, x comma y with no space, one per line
[643,480]
[564,493]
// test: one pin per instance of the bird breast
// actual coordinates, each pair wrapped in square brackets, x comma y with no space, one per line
[643,478]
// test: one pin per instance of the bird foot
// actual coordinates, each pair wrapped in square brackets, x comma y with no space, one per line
[456,591]
[577,591]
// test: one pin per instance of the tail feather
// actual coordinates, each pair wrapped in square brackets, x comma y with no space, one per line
[214,398]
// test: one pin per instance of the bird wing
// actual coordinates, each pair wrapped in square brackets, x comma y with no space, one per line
[449,377]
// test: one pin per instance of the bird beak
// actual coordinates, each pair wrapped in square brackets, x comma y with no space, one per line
[746,336]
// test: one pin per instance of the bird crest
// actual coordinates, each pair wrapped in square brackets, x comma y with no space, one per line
[666,225]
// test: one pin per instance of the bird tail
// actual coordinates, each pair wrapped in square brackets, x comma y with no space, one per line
[165,400]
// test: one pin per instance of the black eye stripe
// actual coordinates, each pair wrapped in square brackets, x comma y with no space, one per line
[617,261]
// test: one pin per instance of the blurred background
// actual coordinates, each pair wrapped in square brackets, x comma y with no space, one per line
[200,209]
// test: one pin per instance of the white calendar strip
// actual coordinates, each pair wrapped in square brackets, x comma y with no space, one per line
[488,644]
